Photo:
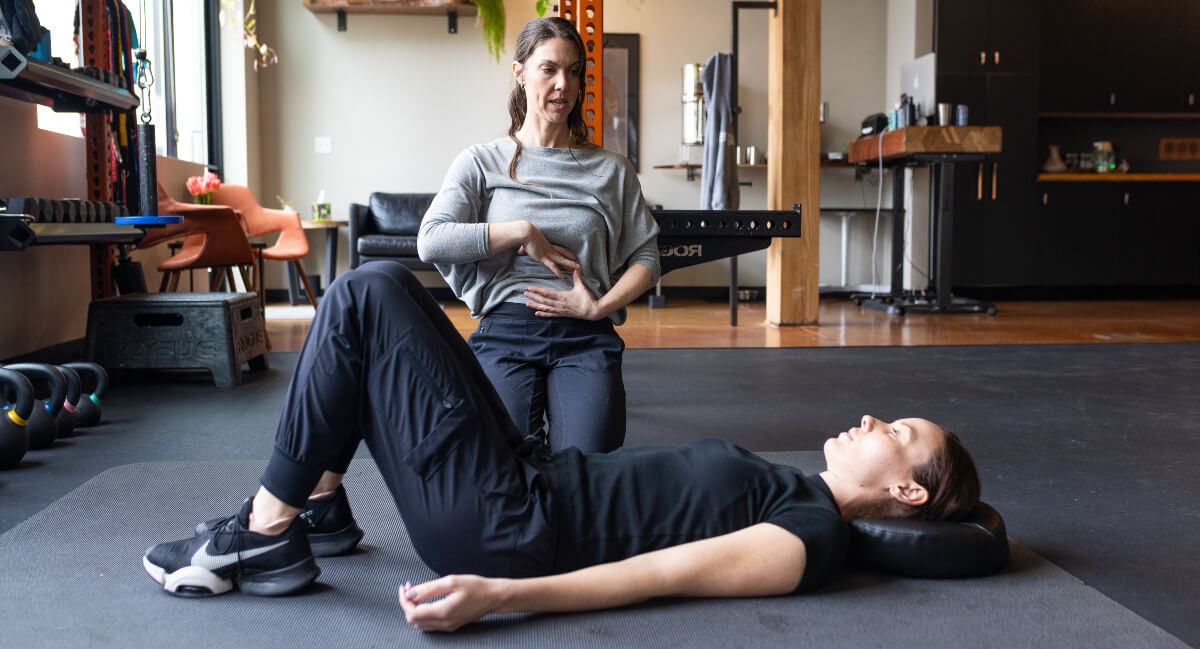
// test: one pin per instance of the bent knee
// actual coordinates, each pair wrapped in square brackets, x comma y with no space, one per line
[373,273]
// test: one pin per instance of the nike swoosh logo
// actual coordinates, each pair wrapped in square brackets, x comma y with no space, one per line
[217,561]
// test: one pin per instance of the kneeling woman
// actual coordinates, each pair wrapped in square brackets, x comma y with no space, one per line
[516,527]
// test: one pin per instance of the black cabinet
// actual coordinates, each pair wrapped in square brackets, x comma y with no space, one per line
[1159,226]
[1089,56]
[1071,56]
[1009,180]
[1076,243]
[974,37]
[1123,56]
[987,55]
[1114,234]
[994,210]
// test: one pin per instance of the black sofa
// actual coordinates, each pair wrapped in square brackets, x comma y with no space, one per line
[386,228]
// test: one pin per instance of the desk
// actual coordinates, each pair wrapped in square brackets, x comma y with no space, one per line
[331,247]
[915,146]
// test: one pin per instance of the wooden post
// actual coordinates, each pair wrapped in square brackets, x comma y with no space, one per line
[793,161]
[588,16]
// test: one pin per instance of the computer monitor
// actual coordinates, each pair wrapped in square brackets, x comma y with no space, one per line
[918,78]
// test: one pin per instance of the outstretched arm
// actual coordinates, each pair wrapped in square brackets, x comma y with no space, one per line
[760,560]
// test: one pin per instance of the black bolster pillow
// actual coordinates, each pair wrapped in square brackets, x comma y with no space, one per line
[975,546]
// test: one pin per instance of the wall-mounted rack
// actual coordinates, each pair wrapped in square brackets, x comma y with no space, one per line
[59,88]
[452,9]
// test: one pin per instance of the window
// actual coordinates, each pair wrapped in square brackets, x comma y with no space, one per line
[186,114]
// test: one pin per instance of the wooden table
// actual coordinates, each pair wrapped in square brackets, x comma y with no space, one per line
[331,247]
[943,147]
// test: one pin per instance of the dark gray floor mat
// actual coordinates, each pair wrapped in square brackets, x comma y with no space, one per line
[73,578]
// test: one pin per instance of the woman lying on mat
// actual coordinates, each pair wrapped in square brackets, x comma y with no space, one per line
[514,526]
[547,239]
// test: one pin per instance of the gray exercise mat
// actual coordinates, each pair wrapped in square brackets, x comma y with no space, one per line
[73,578]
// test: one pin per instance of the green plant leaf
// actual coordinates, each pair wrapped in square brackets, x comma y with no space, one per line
[491,22]
[542,6]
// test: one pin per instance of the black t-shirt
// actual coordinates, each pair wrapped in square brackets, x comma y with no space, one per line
[612,506]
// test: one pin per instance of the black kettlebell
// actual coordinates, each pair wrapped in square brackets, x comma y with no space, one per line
[14,438]
[43,423]
[66,414]
[94,383]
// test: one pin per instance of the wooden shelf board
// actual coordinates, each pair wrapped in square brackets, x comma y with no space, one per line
[395,8]
[1117,177]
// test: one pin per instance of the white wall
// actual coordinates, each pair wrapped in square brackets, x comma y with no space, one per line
[400,97]
[239,111]
[910,35]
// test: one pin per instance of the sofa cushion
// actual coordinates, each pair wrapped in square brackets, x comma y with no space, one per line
[385,245]
[399,213]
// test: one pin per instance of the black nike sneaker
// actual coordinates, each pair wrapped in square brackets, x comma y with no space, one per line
[225,554]
[330,525]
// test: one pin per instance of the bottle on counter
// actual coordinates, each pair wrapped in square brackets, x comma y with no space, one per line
[1104,157]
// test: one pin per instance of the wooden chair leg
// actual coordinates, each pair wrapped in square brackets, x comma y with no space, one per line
[304,278]
[257,271]
[174,285]
[162,285]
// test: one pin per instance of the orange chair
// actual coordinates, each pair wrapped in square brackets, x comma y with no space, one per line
[212,238]
[292,244]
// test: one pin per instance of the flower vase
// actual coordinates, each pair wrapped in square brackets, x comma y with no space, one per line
[1054,163]
[204,199]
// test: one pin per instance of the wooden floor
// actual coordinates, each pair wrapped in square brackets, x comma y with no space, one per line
[699,323]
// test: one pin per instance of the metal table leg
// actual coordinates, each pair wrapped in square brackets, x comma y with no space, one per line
[733,291]
[331,248]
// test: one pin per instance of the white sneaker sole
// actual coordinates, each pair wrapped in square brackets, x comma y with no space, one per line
[194,578]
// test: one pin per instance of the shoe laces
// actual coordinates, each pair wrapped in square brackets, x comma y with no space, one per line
[227,528]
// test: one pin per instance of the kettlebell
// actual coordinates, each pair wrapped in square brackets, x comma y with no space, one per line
[14,438]
[43,423]
[66,414]
[94,383]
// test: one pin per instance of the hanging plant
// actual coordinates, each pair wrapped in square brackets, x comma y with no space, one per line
[491,22]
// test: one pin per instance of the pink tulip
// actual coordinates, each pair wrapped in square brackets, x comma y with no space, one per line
[202,185]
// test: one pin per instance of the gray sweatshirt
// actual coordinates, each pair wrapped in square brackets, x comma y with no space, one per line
[587,201]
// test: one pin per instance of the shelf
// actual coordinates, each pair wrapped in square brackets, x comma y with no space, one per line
[397,7]
[691,168]
[49,234]
[61,89]
[1119,115]
[1117,177]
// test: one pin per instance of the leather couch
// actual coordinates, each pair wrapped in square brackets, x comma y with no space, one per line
[386,228]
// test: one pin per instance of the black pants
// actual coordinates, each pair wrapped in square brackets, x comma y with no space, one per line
[565,370]
[382,363]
